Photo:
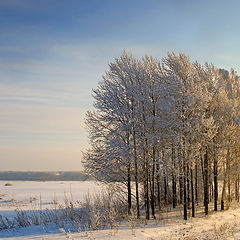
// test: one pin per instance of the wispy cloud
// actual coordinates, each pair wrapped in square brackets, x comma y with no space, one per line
[53,53]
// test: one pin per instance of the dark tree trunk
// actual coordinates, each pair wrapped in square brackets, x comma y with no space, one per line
[180,179]
[129,190]
[174,191]
[185,203]
[222,204]
[136,174]
[188,189]
[211,191]
[147,213]
[215,179]
[147,202]
[153,185]
[196,183]
[192,191]
[165,189]
[206,182]
[158,188]
[225,180]
[229,184]
[202,168]
[147,193]
[237,188]
[153,157]
[223,190]
[184,193]
[146,163]
[174,185]
[181,189]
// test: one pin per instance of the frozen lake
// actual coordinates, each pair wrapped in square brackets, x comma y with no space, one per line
[35,195]
[28,195]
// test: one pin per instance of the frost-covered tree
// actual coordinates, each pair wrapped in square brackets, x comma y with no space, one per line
[165,130]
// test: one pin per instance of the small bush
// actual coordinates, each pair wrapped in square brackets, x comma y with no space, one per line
[8,184]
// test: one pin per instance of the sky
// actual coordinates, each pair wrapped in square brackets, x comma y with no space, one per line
[54,52]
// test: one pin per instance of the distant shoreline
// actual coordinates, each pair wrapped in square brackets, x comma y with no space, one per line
[43,176]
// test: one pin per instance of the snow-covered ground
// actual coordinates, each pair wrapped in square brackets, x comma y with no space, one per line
[34,195]
[28,195]
[222,225]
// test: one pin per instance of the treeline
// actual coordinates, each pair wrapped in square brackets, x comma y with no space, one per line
[43,176]
[168,130]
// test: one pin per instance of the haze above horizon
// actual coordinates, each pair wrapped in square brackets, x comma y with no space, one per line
[52,53]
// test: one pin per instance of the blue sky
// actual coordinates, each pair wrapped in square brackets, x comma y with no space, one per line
[53,52]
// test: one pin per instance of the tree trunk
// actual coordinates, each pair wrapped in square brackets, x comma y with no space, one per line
[165,188]
[196,183]
[174,187]
[180,179]
[224,188]
[147,212]
[158,188]
[192,191]
[184,193]
[223,193]
[147,202]
[206,182]
[153,184]
[236,188]
[129,189]
[226,174]
[136,174]
[185,203]
[153,156]
[174,191]
[215,176]
[146,186]
[229,183]
[181,189]
[188,188]
[145,158]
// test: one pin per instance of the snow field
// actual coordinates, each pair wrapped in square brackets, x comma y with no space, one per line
[168,225]
[221,225]
[25,194]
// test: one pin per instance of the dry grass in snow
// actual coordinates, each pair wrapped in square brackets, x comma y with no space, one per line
[220,225]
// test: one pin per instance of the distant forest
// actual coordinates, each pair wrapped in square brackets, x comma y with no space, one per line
[44,176]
